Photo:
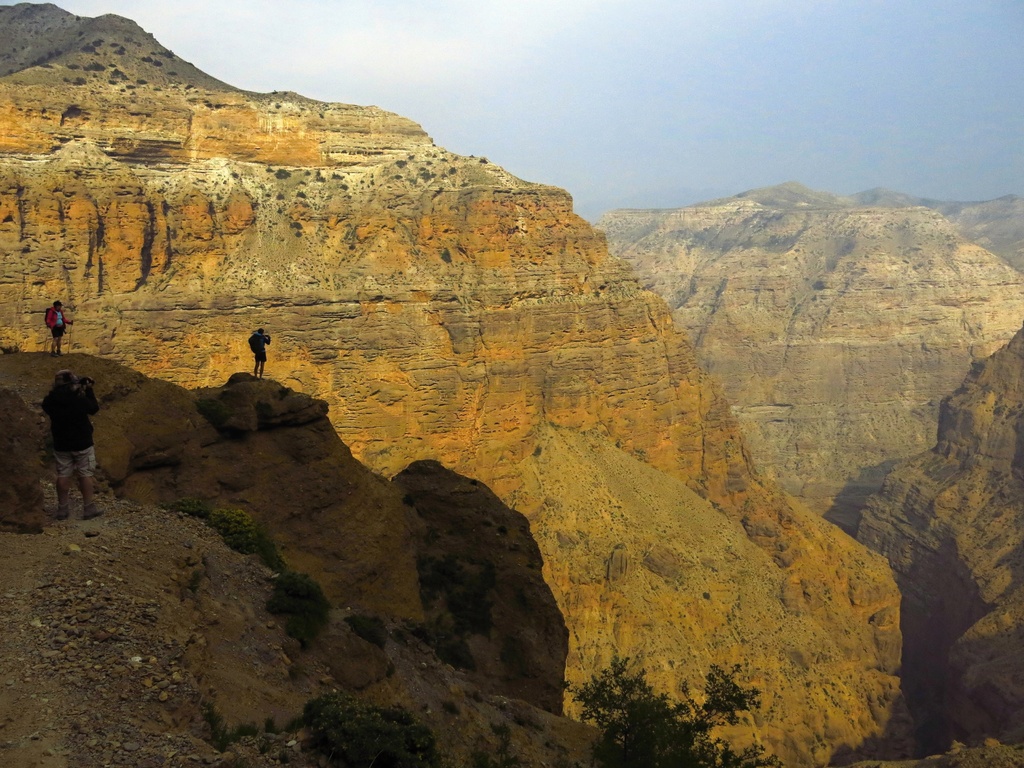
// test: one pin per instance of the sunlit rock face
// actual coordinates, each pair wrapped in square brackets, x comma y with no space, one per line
[445,310]
[834,325]
[951,523]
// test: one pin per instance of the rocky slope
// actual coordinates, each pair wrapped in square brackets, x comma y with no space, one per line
[442,308]
[643,566]
[951,524]
[834,325]
[162,587]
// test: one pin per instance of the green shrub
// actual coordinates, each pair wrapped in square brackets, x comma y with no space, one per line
[355,733]
[190,506]
[214,411]
[455,651]
[450,648]
[221,737]
[465,586]
[301,599]
[245,535]
[504,757]
[370,628]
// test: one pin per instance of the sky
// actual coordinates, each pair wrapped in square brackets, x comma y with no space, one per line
[650,103]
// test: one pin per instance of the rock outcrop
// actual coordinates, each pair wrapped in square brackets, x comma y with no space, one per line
[482,588]
[332,517]
[259,446]
[835,326]
[442,308]
[950,522]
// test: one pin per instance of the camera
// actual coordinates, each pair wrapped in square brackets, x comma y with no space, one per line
[86,381]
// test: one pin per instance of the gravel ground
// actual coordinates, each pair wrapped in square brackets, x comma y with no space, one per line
[107,626]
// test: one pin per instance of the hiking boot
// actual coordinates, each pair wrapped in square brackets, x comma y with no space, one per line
[62,512]
[90,511]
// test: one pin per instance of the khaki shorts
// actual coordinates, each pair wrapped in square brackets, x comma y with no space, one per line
[71,462]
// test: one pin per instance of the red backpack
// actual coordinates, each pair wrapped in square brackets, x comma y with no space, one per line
[51,317]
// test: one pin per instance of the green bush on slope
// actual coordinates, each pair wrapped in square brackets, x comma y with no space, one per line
[302,600]
[355,733]
[295,594]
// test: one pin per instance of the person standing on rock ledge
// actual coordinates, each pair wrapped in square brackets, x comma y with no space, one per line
[58,323]
[69,404]
[258,344]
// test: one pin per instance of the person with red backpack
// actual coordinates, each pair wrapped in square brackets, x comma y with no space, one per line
[57,322]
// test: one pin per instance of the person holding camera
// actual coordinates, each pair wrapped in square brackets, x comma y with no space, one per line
[69,404]
[258,344]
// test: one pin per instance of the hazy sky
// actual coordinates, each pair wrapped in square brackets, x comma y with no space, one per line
[651,103]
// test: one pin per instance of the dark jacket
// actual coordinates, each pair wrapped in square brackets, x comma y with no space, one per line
[258,342]
[69,407]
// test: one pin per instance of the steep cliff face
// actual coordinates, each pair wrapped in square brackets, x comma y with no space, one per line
[951,524]
[441,307]
[835,327]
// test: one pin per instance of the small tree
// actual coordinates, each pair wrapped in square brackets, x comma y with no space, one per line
[644,729]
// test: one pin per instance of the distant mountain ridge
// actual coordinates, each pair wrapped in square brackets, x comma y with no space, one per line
[996,225]
[835,323]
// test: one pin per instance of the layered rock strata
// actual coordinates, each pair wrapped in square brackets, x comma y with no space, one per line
[441,307]
[951,525]
[834,326]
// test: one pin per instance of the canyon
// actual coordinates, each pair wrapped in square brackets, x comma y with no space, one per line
[949,521]
[834,324]
[446,316]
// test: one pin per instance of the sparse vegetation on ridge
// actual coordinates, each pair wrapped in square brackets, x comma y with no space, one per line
[369,628]
[236,527]
[297,595]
